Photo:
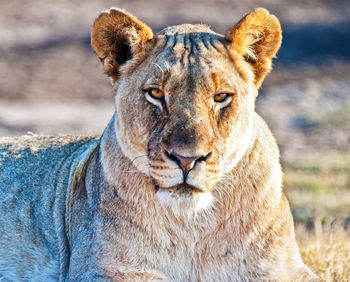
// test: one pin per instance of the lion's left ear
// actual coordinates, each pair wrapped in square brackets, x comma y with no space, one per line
[256,39]
[115,37]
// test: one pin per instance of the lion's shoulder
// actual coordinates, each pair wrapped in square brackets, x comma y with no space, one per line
[31,158]
[36,143]
[31,145]
[35,173]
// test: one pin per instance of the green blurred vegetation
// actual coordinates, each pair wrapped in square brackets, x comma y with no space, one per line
[339,116]
[318,187]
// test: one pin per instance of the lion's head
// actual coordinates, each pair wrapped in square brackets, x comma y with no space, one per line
[185,96]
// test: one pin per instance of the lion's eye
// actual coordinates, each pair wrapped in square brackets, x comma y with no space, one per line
[155,93]
[222,97]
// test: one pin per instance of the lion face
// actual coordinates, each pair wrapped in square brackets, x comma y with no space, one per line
[184,102]
[194,113]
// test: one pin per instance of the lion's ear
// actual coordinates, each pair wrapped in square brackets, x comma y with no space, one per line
[256,39]
[116,36]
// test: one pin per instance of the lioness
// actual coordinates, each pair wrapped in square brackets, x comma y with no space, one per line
[183,185]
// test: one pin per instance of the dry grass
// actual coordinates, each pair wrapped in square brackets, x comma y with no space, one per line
[326,250]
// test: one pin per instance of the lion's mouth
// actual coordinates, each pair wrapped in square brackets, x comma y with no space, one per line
[180,189]
[184,198]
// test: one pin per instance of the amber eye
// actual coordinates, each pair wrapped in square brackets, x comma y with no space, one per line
[219,98]
[155,93]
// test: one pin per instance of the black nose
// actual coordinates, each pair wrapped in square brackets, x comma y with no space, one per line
[186,163]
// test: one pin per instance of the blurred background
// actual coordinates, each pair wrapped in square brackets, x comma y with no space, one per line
[52,83]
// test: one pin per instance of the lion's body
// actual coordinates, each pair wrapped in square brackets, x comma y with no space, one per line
[247,236]
[34,177]
[185,182]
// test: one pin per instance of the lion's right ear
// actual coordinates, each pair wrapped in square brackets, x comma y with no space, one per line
[117,35]
[256,39]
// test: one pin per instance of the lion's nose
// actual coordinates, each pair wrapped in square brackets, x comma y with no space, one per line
[186,163]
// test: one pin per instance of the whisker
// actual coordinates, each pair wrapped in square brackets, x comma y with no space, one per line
[143,163]
[142,156]
[135,170]
[158,66]
[131,171]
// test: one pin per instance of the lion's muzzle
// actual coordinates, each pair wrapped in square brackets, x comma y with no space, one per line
[186,163]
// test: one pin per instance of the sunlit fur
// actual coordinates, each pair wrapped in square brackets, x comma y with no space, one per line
[236,224]
[225,133]
[118,208]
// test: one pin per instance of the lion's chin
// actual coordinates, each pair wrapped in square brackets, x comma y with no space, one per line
[184,198]
[182,189]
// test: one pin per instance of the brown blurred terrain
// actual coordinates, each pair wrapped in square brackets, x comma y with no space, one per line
[51,82]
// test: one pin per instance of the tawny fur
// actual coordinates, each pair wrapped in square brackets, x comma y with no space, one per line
[118,208]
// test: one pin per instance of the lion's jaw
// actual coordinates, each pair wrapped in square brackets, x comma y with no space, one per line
[188,121]
[184,201]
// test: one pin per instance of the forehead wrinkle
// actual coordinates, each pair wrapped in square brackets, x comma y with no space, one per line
[200,76]
[216,44]
[167,42]
[166,76]
[191,73]
[192,43]
[205,41]
[181,44]
[216,80]
[183,49]
[187,64]
[156,75]
[159,77]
